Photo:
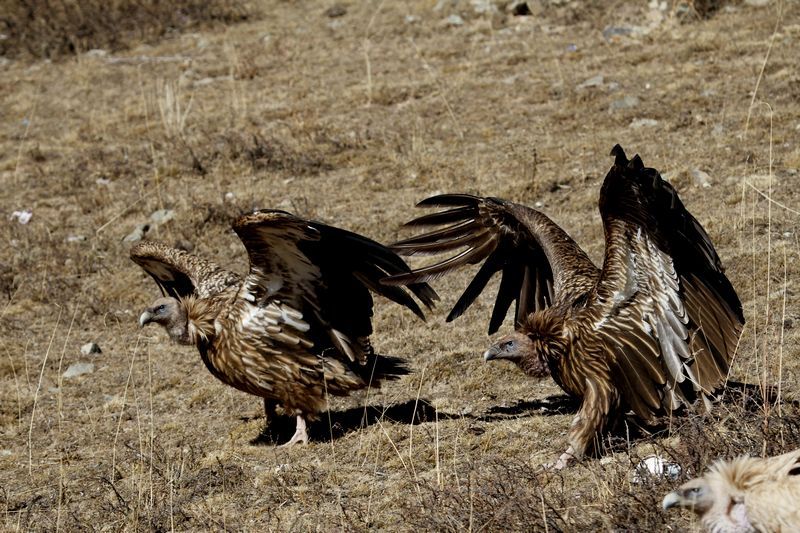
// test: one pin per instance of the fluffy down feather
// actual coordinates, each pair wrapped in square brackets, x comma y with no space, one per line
[745,495]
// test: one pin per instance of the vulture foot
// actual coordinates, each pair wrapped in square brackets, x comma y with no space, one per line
[300,434]
[563,461]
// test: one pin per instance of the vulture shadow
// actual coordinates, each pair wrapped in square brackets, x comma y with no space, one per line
[556,404]
[334,425]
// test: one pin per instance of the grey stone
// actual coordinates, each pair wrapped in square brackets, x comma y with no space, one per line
[454,20]
[161,216]
[78,369]
[643,123]
[138,233]
[701,179]
[483,6]
[594,81]
[90,348]
[626,102]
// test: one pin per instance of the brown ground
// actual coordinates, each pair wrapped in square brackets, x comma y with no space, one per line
[351,120]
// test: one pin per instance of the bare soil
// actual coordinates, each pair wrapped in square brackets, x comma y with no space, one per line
[350,113]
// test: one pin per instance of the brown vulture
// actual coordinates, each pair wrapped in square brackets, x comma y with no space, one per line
[654,328]
[294,329]
[745,495]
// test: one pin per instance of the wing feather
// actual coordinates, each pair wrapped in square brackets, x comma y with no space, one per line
[325,275]
[534,256]
[663,286]
[179,273]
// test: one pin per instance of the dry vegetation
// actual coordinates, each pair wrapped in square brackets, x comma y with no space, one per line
[350,113]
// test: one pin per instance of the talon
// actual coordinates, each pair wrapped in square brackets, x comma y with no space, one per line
[300,434]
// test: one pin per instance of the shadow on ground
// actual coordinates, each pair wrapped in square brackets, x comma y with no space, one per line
[336,424]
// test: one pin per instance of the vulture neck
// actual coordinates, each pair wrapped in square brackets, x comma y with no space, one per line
[545,329]
[200,317]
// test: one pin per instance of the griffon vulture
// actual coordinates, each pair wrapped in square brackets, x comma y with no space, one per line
[653,329]
[745,495]
[294,329]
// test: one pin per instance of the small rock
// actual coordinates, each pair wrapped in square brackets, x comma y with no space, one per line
[454,20]
[90,348]
[594,81]
[186,246]
[411,19]
[229,196]
[627,102]
[162,215]
[701,179]
[105,182]
[756,3]
[643,123]
[23,217]
[78,369]
[538,204]
[483,6]
[611,32]
[97,52]
[138,233]
[76,238]
[520,9]
[336,11]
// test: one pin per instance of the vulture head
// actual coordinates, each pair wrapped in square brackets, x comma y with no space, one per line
[537,343]
[171,314]
[696,495]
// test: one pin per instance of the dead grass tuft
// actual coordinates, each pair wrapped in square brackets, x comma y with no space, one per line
[47,28]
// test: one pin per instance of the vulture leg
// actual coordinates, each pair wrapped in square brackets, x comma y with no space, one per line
[598,400]
[566,458]
[269,409]
[300,434]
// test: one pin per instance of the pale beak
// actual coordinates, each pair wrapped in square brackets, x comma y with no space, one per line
[672,499]
[145,318]
[491,353]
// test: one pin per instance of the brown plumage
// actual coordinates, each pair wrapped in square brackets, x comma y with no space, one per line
[653,329]
[745,495]
[297,327]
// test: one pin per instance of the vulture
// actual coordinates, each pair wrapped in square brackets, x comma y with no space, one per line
[653,329]
[745,495]
[297,326]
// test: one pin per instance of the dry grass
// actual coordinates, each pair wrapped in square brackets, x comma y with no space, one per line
[351,119]
[52,28]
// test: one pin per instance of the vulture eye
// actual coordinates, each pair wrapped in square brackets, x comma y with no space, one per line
[160,308]
[508,345]
[694,491]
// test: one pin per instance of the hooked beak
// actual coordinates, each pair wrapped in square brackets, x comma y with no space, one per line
[671,500]
[145,318]
[491,354]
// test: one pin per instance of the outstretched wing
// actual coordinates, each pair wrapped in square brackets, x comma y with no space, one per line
[539,262]
[325,275]
[179,273]
[664,306]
